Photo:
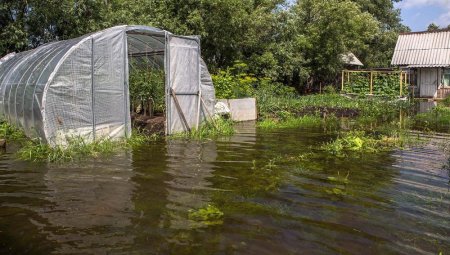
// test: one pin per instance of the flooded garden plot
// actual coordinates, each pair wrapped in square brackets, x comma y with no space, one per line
[259,191]
[323,174]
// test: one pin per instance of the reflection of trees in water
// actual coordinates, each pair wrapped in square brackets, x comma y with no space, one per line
[169,184]
[90,207]
[190,166]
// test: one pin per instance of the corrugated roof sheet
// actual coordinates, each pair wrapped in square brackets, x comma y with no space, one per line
[430,49]
[351,59]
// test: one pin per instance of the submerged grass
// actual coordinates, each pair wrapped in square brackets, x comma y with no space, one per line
[363,142]
[438,119]
[78,149]
[291,122]
[208,130]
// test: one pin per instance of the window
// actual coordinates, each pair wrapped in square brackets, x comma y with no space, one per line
[446,77]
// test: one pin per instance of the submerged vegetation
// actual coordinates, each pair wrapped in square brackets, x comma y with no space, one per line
[209,215]
[361,141]
[212,128]
[437,119]
[79,149]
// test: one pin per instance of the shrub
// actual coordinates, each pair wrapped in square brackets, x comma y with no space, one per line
[329,89]
[234,82]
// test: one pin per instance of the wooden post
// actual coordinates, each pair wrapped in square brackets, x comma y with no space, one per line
[401,83]
[371,82]
[342,81]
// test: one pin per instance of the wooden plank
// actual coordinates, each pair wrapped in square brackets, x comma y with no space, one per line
[180,111]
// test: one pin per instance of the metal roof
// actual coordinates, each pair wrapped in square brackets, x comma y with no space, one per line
[351,59]
[423,49]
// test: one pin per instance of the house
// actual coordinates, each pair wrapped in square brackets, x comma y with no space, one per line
[426,58]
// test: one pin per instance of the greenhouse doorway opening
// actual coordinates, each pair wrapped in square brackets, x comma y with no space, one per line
[164,75]
[146,79]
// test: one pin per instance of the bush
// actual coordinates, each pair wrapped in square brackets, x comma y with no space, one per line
[234,82]
[329,89]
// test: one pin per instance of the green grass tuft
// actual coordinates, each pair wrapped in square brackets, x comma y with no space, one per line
[10,132]
[360,141]
[291,122]
[209,130]
[79,149]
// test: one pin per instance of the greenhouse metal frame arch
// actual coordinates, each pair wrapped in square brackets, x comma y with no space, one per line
[80,87]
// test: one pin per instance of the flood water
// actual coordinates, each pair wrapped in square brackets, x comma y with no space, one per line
[278,194]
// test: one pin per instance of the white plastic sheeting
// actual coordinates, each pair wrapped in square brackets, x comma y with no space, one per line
[79,87]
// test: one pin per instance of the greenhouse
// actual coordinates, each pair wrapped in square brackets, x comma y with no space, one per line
[81,87]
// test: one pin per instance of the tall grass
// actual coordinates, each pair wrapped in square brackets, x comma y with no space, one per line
[208,130]
[79,149]
[438,119]
[292,122]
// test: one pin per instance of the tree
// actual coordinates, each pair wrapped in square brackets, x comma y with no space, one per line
[328,29]
[432,27]
[381,46]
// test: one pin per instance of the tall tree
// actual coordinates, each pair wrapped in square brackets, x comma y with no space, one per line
[328,29]
[381,46]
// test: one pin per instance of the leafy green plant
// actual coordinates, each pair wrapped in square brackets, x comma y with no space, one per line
[234,82]
[210,215]
[438,119]
[360,141]
[10,132]
[384,84]
[147,83]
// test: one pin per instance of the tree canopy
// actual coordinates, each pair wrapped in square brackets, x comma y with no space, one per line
[298,43]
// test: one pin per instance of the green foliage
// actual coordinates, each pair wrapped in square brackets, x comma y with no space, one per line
[147,83]
[234,82]
[292,122]
[209,130]
[438,119]
[79,149]
[329,89]
[360,141]
[297,43]
[384,84]
[328,29]
[210,215]
[10,132]
[446,101]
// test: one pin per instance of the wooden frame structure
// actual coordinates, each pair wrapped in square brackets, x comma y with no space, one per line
[402,75]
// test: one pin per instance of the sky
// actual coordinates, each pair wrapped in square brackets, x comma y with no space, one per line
[418,14]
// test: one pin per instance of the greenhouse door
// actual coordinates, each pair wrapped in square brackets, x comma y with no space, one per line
[182,83]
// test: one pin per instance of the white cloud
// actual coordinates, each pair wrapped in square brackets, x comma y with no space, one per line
[442,19]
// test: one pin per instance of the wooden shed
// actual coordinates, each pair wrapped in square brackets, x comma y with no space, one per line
[426,56]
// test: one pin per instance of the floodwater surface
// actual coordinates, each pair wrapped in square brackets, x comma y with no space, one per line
[278,194]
